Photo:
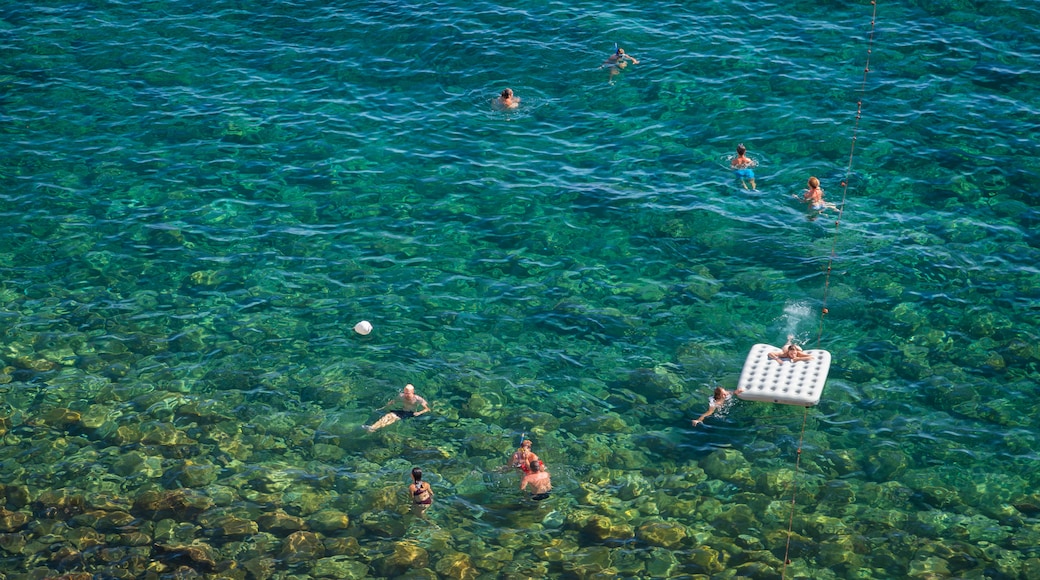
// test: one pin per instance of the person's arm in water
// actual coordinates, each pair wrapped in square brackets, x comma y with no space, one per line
[425,407]
[705,415]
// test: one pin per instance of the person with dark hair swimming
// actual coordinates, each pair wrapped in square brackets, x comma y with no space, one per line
[506,100]
[617,61]
[742,165]
[717,400]
[538,480]
[409,402]
[422,495]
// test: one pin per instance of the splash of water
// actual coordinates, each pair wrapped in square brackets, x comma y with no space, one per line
[796,316]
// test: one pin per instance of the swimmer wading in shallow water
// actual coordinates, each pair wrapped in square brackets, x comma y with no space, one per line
[408,401]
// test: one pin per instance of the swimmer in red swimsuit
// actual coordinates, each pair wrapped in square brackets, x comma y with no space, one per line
[523,457]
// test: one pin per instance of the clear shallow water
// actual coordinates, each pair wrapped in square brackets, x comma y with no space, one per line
[202,199]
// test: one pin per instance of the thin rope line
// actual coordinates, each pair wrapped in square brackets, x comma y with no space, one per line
[848,175]
[794,494]
[827,279]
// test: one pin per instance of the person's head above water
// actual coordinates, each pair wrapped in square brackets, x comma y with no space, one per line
[814,183]
[741,149]
[507,94]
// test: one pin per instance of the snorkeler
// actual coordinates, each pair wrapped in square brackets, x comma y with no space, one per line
[717,400]
[523,457]
[617,61]
[409,403]
[506,100]
[742,165]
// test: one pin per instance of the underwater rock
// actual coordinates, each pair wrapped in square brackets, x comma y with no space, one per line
[775,482]
[221,524]
[275,479]
[589,562]
[110,521]
[886,464]
[13,521]
[837,492]
[555,550]
[340,567]
[164,434]
[661,533]
[819,525]
[728,465]
[135,463]
[706,560]
[12,543]
[192,474]
[600,423]
[181,504]
[61,418]
[929,568]
[885,495]
[456,566]
[735,519]
[661,563]
[279,522]
[493,560]
[406,556]
[654,383]
[328,521]
[301,546]
[342,546]
[602,528]
[486,406]
[197,555]
[84,538]
[307,500]
[381,524]
[1028,504]
[58,504]
[841,461]
[14,496]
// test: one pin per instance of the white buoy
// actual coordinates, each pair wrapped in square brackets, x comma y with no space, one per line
[364,327]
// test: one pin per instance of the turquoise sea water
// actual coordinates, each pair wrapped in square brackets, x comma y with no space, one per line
[201,199]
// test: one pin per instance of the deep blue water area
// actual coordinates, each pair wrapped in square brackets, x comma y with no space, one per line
[201,200]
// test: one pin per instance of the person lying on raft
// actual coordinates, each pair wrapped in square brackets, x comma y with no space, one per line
[790,351]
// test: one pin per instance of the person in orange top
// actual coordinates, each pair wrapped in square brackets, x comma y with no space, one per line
[523,457]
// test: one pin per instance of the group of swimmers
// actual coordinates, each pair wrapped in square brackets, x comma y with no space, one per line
[742,167]
[614,63]
[790,351]
[411,405]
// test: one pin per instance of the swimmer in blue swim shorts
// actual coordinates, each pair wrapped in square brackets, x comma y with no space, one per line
[742,165]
